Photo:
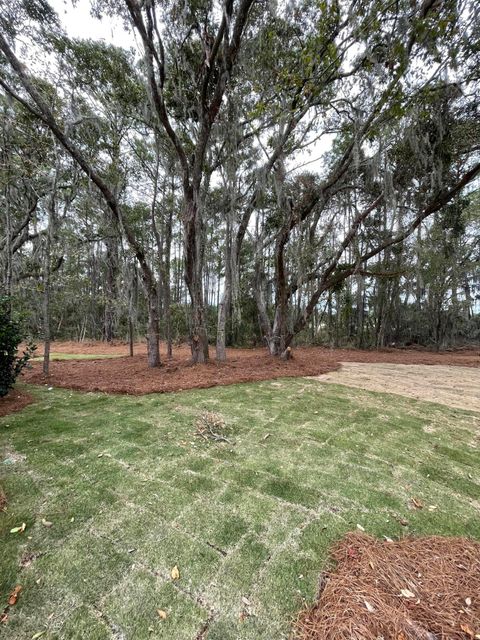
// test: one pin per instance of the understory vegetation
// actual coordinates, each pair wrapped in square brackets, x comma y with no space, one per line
[127,524]
[11,364]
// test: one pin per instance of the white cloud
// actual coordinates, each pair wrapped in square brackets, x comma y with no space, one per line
[79,23]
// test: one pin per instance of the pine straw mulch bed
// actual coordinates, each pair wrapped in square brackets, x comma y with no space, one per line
[132,375]
[14,401]
[414,589]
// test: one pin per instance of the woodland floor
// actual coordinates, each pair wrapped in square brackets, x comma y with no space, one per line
[114,492]
[93,367]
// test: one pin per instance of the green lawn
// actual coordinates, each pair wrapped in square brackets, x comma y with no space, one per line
[78,356]
[131,493]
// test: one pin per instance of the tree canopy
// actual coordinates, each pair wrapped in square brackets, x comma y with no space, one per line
[244,172]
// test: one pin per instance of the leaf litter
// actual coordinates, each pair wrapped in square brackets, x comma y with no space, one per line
[12,601]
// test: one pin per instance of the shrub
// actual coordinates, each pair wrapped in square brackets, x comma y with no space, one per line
[10,337]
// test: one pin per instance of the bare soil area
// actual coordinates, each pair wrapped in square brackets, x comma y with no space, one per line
[132,375]
[453,386]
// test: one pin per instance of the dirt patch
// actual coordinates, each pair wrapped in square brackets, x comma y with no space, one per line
[132,375]
[414,589]
[449,385]
[14,401]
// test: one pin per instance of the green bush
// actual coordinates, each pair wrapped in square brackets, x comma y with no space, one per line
[10,337]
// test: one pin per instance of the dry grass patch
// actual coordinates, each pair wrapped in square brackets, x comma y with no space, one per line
[453,386]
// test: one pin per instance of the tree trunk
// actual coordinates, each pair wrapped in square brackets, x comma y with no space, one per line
[8,250]
[221,353]
[166,279]
[263,319]
[46,306]
[360,310]
[280,321]
[193,233]
[49,239]
[130,337]
[153,338]
[278,343]
[224,305]
[111,289]
[166,265]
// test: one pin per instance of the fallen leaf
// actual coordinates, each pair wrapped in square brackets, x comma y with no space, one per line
[418,504]
[175,573]
[406,593]
[246,601]
[39,634]
[466,629]
[13,597]
[370,608]
[162,614]
[360,528]
[468,601]
[46,523]
[4,618]
[19,529]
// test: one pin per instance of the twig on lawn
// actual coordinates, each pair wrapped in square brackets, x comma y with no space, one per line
[209,425]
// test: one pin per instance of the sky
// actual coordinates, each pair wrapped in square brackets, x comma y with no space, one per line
[78,23]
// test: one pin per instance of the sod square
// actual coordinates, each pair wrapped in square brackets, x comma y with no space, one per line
[132,609]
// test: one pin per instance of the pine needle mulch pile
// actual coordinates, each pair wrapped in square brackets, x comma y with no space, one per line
[414,589]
